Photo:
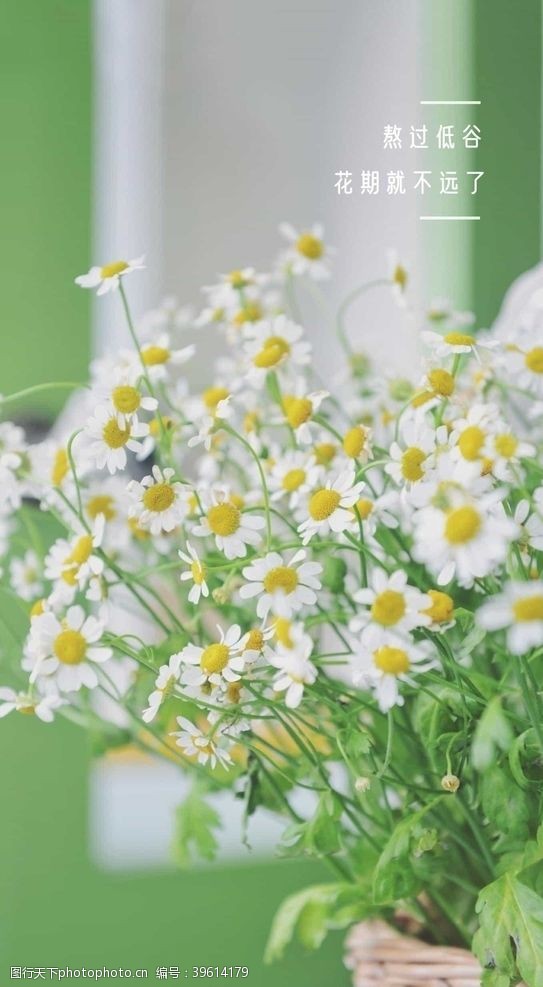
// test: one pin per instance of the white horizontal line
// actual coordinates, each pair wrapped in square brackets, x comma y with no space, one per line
[450,102]
[450,217]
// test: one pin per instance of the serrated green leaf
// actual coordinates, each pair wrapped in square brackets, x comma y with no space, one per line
[195,821]
[493,734]
[504,803]
[510,937]
[311,913]
[394,876]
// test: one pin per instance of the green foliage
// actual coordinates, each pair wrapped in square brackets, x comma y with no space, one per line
[396,874]
[493,734]
[319,836]
[195,822]
[311,913]
[510,937]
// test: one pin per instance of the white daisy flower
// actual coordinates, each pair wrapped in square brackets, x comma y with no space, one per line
[204,747]
[216,664]
[66,649]
[299,409]
[43,707]
[463,538]
[107,278]
[456,342]
[357,443]
[158,502]
[414,453]
[25,576]
[382,667]
[121,389]
[397,274]
[373,512]
[293,474]
[196,573]
[392,606]
[274,343]
[282,587]
[165,682]
[159,357]
[441,310]
[307,253]
[224,520]
[329,506]
[71,564]
[108,442]
[524,361]
[294,669]
[519,608]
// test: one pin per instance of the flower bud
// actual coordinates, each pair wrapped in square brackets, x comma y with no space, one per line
[362,784]
[450,783]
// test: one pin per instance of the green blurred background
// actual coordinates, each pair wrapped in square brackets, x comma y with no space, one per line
[56,908]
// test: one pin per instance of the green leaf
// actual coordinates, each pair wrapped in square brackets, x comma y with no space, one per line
[318,836]
[510,937]
[493,733]
[492,978]
[504,804]
[311,913]
[395,876]
[195,821]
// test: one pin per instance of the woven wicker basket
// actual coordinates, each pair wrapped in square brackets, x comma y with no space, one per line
[381,957]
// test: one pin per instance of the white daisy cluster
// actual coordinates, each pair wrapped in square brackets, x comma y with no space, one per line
[271,567]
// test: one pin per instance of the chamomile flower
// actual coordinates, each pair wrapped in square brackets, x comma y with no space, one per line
[26,576]
[196,573]
[531,524]
[294,668]
[519,608]
[216,664]
[456,342]
[292,476]
[414,452]
[284,587]
[440,611]
[397,274]
[307,253]
[441,311]
[223,519]
[272,344]
[391,605]
[459,536]
[107,278]
[108,442]
[299,409]
[524,361]
[165,682]
[160,359]
[72,563]
[357,443]
[65,650]
[384,666]
[43,707]
[158,503]
[205,747]
[124,393]
[328,507]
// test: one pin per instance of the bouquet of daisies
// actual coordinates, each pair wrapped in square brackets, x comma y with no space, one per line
[330,603]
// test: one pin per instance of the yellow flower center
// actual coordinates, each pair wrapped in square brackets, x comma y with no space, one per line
[114,269]
[237,279]
[251,421]
[400,276]
[309,246]
[297,410]
[255,640]
[273,351]
[136,530]
[354,441]
[213,395]
[364,507]
[198,573]
[159,497]
[281,578]
[506,445]
[471,442]
[441,608]
[462,525]
[459,339]
[152,356]
[411,464]
[60,467]
[251,312]
[113,436]
[126,399]
[529,608]
[324,453]
[224,519]
[292,480]
[101,504]
[69,647]
[155,428]
[38,608]
[214,658]
[323,503]
[441,382]
[422,398]
[391,661]
[81,550]
[281,629]
[534,360]
[388,607]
